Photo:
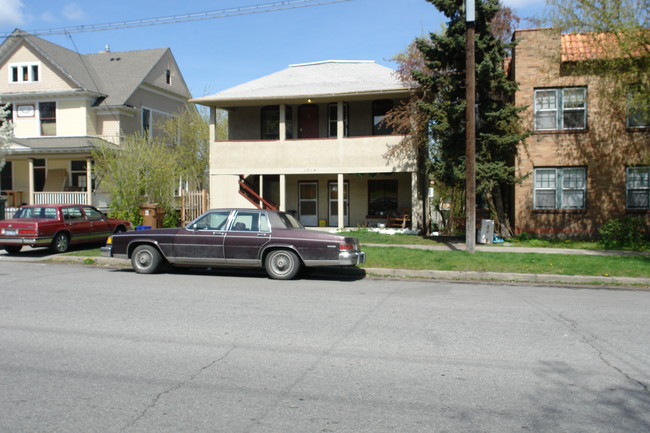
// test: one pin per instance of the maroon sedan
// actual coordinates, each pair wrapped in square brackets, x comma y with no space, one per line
[273,240]
[57,226]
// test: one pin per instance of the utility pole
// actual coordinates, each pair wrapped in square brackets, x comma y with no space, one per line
[470,129]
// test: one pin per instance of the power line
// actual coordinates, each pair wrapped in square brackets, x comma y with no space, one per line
[209,15]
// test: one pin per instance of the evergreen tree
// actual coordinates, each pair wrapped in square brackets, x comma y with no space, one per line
[498,132]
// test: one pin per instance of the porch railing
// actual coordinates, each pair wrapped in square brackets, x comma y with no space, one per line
[61,197]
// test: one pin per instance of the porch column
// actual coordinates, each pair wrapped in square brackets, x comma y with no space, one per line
[416,205]
[340,200]
[89,181]
[283,122]
[283,192]
[339,120]
[30,200]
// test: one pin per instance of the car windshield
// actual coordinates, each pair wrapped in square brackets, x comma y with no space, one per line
[36,212]
[290,221]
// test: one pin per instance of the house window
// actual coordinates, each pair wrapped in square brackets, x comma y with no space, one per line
[6,177]
[168,77]
[379,110]
[561,109]
[333,116]
[24,73]
[382,196]
[39,174]
[637,187]
[146,121]
[47,113]
[560,188]
[78,175]
[9,114]
[270,120]
[638,109]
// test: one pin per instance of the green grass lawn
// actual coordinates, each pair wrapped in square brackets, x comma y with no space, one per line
[528,263]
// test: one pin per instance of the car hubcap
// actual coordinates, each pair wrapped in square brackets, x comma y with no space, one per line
[62,243]
[282,264]
[144,259]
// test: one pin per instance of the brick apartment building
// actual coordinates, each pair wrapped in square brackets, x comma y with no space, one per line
[584,166]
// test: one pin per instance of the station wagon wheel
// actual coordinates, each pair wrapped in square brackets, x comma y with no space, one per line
[145,259]
[282,264]
[60,243]
[119,229]
[12,249]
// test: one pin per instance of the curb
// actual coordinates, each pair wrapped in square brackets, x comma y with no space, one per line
[640,283]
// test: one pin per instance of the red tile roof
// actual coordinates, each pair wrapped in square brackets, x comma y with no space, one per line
[590,46]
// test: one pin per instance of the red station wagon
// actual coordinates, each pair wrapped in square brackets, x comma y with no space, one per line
[57,226]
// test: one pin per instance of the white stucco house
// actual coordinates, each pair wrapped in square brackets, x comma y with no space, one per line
[300,136]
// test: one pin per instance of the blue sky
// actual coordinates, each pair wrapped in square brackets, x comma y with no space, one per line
[220,53]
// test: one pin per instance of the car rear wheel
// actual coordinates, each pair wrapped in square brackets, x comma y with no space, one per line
[60,243]
[13,249]
[146,259]
[282,264]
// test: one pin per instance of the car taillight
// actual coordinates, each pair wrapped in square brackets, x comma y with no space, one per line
[346,247]
[28,232]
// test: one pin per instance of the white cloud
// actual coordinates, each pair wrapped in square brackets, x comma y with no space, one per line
[12,13]
[47,16]
[73,11]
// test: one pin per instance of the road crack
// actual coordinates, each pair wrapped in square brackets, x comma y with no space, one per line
[190,379]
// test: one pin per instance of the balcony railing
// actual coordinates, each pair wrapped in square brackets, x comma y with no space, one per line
[61,197]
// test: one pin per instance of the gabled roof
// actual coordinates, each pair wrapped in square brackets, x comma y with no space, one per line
[116,75]
[321,80]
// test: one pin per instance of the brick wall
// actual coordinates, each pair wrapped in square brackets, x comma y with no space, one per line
[605,148]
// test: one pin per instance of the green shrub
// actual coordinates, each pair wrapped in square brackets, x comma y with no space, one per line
[625,232]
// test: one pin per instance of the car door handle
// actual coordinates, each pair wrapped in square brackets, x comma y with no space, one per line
[262,234]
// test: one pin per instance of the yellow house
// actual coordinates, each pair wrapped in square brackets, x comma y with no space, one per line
[300,136]
[62,104]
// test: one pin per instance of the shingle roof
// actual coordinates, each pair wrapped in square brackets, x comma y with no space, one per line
[313,80]
[54,144]
[100,73]
[590,46]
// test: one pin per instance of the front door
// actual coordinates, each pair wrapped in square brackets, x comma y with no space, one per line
[333,192]
[308,121]
[202,241]
[308,203]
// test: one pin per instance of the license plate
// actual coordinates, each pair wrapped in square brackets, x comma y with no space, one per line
[11,232]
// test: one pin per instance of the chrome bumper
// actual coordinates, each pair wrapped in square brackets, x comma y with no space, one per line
[35,242]
[352,258]
[106,251]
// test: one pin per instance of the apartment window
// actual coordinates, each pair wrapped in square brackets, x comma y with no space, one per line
[560,188]
[638,109]
[270,120]
[47,113]
[637,187]
[382,196]
[146,121]
[333,116]
[561,109]
[379,110]
[24,73]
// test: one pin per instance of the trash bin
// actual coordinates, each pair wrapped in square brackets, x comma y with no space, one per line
[486,234]
[152,215]
[3,201]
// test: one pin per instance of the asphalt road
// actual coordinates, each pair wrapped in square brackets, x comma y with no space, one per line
[88,349]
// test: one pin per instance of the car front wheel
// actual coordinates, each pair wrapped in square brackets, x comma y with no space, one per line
[60,243]
[146,259]
[282,264]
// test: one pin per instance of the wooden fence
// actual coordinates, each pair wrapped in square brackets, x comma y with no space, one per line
[193,204]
